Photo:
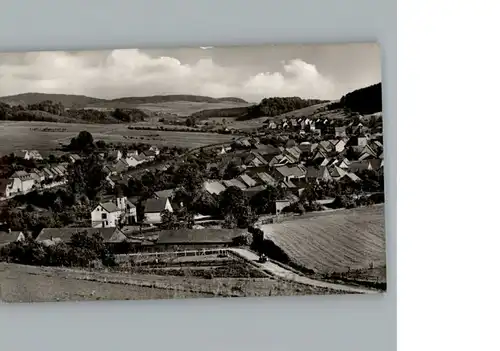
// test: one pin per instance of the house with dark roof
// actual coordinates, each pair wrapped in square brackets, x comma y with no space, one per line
[10,237]
[20,182]
[247,180]
[266,179]
[51,236]
[234,182]
[186,239]
[112,213]
[74,157]
[290,172]
[168,193]
[255,159]
[153,208]
[318,174]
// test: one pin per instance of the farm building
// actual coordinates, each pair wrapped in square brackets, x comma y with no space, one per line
[11,236]
[188,239]
[51,236]
[153,209]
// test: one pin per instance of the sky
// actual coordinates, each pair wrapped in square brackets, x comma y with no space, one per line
[251,72]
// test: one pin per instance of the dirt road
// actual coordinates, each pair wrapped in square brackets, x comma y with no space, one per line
[286,274]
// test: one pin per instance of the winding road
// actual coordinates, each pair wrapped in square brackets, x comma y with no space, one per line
[286,274]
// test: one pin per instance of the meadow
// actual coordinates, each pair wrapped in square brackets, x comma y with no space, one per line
[339,241]
[31,135]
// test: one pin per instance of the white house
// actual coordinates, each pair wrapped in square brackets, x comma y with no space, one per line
[340,146]
[21,182]
[111,213]
[155,150]
[153,209]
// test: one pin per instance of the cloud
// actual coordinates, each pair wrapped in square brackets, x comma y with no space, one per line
[135,73]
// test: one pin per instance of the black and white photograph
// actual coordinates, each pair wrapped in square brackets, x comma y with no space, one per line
[243,171]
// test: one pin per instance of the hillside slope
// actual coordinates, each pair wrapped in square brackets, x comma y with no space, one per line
[80,101]
[338,241]
[69,101]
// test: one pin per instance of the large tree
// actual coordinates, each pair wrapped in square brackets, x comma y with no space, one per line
[87,177]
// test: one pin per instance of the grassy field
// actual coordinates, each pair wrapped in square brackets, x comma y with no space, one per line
[187,108]
[338,241]
[20,283]
[29,135]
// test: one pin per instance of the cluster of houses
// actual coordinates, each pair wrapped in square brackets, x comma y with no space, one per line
[22,182]
[118,162]
[295,165]
[314,125]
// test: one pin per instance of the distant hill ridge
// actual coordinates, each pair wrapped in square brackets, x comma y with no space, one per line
[80,101]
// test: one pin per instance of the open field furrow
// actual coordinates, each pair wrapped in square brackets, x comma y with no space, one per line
[339,241]
[30,135]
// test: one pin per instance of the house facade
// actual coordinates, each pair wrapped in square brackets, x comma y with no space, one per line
[113,213]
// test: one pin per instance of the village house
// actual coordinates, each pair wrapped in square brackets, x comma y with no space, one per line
[9,237]
[193,239]
[115,155]
[255,159]
[155,150]
[318,174]
[52,236]
[153,209]
[288,173]
[21,182]
[266,179]
[235,183]
[74,157]
[214,187]
[29,155]
[167,193]
[340,132]
[247,180]
[339,145]
[113,213]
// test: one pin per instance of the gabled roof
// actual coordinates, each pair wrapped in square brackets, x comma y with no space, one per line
[168,193]
[254,190]
[318,173]
[185,236]
[149,153]
[266,178]
[288,183]
[325,145]
[294,151]
[7,238]
[65,234]
[214,187]
[109,206]
[155,205]
[245,178]
[23,175]
[234,182]
[307,147]
[291,171]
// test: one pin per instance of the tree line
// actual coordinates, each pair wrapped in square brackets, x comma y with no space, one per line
[82,250]
[49,111]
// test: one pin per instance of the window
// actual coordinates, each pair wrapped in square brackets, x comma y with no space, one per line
[103,215]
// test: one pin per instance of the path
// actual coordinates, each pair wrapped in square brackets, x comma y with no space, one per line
[286,274]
